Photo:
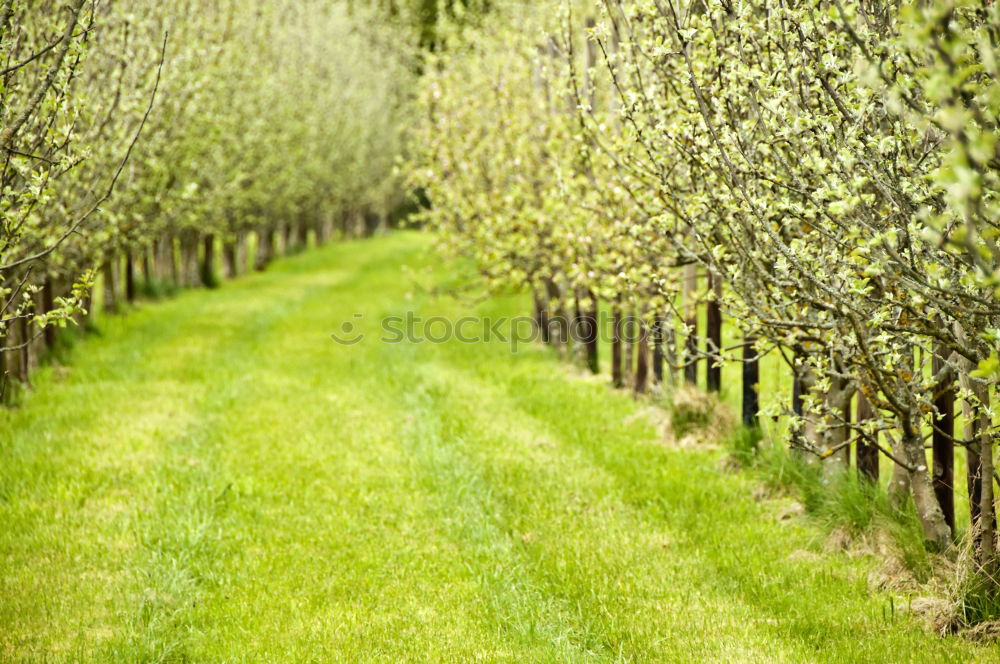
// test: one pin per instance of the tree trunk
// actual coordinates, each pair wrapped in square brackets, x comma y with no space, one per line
[129,276]
[242,249]
[358,225]
[713,334]
[658,349]
[208,275]
[867,453]
[616,343]
[751,379]
[371,224]
[670,351]
[798,391]
[166,262]
[936,530]
[590,332]
[189,258]
[835,430]
[541,315]
[628,365]
[691,323]
[982,514]
[302,240]
[265,248]
[230,259]
[943,445]
[557,327]
[987,557]
[642,359]
[576,329]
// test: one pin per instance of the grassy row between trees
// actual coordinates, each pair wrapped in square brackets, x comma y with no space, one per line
[213,479]
[824,176]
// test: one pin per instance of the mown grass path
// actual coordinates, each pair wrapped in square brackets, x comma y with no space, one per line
[214,480]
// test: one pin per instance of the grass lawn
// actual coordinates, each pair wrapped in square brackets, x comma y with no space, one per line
[213,479]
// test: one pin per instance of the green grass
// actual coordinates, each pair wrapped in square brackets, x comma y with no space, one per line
[212,479]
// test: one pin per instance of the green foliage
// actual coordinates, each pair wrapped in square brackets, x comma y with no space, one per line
[835,173]
[125,123]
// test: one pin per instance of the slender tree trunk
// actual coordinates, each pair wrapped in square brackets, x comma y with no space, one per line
[798,392]
[242,249]
[943,445]
[629,341]
[189,258]
[691,323]
[265,248]
[751,380]
[616,343]
[371,224]
[576,328]
[170,260]
[979,453]
[899,483]
[642,359]
[591,332]
[713,334]
[230,259]
[835,430]
[129,276]
[208,274]
[931,517]
[557,327]
[669,351]
[866,452]
[541,315]
[981,512]
[986,505]
[658,349]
